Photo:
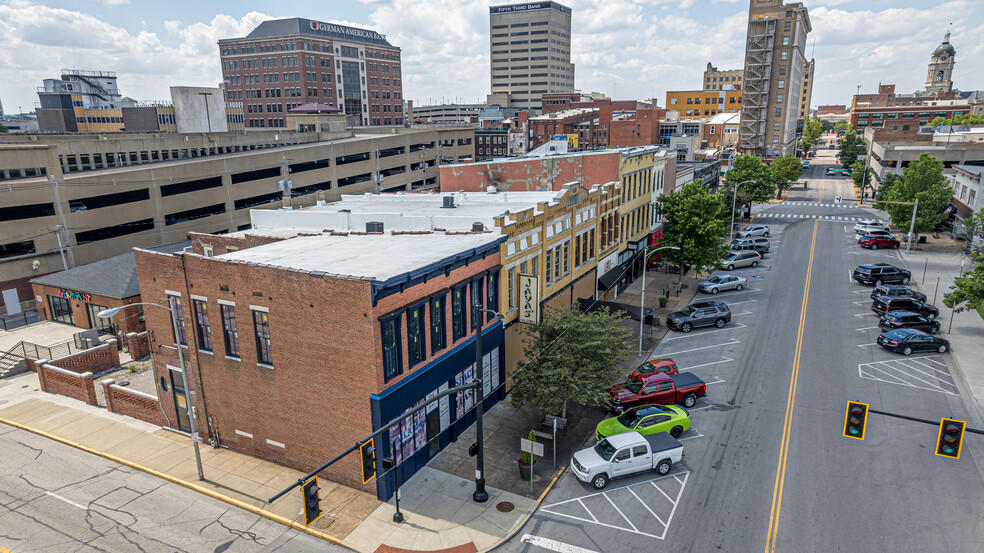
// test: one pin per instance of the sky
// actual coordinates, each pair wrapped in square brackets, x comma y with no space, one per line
[626,49]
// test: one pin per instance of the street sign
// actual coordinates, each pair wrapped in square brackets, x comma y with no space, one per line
[531,447]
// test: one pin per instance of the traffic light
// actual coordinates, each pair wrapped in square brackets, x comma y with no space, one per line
[368,453]
[950,438]
[312,501]
[854,419]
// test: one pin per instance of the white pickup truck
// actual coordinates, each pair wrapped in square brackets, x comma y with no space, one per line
[625,454]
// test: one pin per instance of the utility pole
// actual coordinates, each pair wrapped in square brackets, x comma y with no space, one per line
[286,186]
[912,225]
[61,218]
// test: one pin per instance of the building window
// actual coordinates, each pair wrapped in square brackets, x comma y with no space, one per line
[476,302]
[229,330]
[261,325]
[785,41]
[458,312]
[392,356]
[787,26]
[492,301]
[784,55]
[782,84]
[778,112]
[416,328]
[511,288]
[175,303]
[437,323]
[201,325]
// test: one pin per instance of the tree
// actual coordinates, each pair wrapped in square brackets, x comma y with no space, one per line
[963,119]
[694,221]
[974,224]
[861,176]
[826,126]
[967,290]
[573,357]
[811,132]
[843,126]
[890,180]
[755,182]
[784,171]
[4,128]
[922,180]
[851,147]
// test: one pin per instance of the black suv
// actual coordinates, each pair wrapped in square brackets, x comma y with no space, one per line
[700,313]
[880,273]
[885,304]
[896,291]
[904,319]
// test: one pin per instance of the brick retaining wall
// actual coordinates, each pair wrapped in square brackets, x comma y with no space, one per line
[57,380]
[138,344]
[94,360]
[132,403]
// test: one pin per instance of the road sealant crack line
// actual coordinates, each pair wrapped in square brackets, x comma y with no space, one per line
[771,537]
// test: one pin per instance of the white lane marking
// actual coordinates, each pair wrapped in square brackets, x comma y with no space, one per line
[916,360]
[718,381]
[741,302]
[860,292]
[691,335]
[743,313]
[865,328]
[725,360]
[699,435]
[863,315]
[634,529]
[861,302]
[892,365]
[646,506]
[850,276]
[553,545]
[867,345]
[732,342]
[69,501]
[917,369]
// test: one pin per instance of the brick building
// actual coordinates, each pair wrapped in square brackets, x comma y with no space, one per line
[284,63]
[696,104]
[719,79]
[297,348]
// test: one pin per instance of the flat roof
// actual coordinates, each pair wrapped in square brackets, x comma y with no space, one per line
[299,25]
[377,257]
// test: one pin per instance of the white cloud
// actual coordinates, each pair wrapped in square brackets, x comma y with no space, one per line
[115,2]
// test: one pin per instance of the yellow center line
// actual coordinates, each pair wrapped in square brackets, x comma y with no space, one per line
[770,542]
[854,189]
[822,179]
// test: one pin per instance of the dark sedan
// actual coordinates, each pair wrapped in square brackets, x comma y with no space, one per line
[906,341]
[897,291]
[904,319]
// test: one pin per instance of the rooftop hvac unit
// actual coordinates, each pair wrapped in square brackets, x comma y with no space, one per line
[478,227]
[448,201]
[374,226]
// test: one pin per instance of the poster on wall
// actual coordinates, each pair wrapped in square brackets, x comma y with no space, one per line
[445,408]
[487,375]
[529,299]
[495,368]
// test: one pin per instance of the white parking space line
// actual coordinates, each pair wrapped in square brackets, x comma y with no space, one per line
[718,381]
[693,334]
[740,314]
[733,341]
[850,276]
[741,302]
[553,545]
[916,360]
[699,435]
[865,328]
[69,501]
[861,302]
[867,345]
[646,506]
[725,360]
[634,529]
[863,315]
[902,373]
[860,291]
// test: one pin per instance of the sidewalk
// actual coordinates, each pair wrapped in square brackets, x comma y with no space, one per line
[964,330]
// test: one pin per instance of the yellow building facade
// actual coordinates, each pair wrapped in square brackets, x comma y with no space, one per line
[695,104]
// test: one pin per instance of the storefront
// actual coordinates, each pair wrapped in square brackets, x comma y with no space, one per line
[429,427]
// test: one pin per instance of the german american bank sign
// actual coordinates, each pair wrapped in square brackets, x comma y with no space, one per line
[343,31]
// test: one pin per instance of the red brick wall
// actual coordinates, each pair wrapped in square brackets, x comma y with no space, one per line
[126,402]
[220,243]
[642,130]
[124,321]
[78,386]
[94,360]
[326,350]
[527,174]
[138,344]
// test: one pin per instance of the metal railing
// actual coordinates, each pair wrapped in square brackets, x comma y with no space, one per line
[24,318]
[12,359]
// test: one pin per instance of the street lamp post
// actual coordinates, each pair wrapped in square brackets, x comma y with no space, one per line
[480,495]
[642,300]
[734,198]
[108,314]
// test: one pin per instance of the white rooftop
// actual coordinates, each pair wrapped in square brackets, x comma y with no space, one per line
[724,119]
[376,257]
[402,212]
[563,114]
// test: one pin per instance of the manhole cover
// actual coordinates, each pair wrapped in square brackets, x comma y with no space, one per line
[504,507]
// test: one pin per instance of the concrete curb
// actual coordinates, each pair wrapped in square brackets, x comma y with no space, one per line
[189,485]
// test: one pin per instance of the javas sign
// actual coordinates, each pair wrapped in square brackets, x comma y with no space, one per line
[70,295]
[529,299]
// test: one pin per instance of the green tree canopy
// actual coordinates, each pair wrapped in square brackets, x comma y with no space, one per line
[812,131]
[573,357]
[858,172]
[922,180]
[758,184]
[882,193]
[964,119]
[3,128]
[851,146]
[967,291]
[826,125]
[694,221]
[843,125]
[785,170]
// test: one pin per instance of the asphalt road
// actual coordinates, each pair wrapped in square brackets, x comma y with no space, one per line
[54,498]
[766,466]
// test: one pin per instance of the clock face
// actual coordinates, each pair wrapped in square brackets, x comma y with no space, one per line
[943,58]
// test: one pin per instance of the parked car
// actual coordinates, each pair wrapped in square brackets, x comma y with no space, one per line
[697,314]
[907,319]
[753,230]
[624,455]
[875,241]
[663,365]
[646,419]
[720,283]
[760,244]
[659,388]
[806,163]
[880,273]
[884,304]
[870,224]
[907,340]
[873,233]
[747,258]
[896,291]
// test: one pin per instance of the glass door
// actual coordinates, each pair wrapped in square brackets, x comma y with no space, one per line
[180,401]
[61,310]
[103,324]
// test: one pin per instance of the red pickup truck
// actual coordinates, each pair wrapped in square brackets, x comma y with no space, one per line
[683,388]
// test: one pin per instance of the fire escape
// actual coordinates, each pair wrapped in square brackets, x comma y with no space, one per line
[755,86]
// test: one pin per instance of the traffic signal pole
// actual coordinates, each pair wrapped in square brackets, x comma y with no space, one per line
[915,419]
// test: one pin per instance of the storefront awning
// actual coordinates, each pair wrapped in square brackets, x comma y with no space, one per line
[610,279]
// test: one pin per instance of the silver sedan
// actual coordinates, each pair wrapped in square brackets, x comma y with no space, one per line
[720,283]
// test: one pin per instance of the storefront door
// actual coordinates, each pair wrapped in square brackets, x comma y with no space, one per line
[103,324]
[180,401]
[61,310]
